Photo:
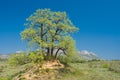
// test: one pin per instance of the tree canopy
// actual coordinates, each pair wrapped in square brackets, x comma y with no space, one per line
[50,31]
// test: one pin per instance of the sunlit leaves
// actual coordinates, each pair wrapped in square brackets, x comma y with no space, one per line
[28,33]
[50,29]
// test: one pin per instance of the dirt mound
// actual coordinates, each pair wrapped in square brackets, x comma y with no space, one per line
[52,65]
[46,72]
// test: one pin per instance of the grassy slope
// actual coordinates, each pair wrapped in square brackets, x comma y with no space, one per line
[96,70]
[7,72]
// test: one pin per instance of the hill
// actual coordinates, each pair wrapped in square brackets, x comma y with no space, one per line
[93,70]
[4,56]
[88,55]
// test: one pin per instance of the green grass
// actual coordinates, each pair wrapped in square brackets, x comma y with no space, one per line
[94,70]
[8,72]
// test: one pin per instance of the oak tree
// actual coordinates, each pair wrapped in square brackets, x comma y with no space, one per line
[50,31]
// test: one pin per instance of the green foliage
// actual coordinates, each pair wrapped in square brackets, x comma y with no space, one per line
[47,30]
[105,66]
[10,72]
[71,52]
[18,59]
[36,57]
[75,71]
[64,60]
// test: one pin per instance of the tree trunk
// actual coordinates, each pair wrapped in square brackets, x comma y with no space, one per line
[48,51]
[52,51]
[42,39]
[52,46]
[56,53]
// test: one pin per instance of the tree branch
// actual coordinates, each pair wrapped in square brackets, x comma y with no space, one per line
[57,53]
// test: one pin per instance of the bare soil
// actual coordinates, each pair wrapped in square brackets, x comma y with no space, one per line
[46,72]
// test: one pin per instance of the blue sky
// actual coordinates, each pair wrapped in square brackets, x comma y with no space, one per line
[98,20]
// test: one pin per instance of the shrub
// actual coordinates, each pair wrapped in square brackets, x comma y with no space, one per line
[68,58]
[36,57]
[18,59]
[64,60]
[105,66]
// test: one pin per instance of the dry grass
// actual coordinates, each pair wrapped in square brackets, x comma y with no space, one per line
[95,70]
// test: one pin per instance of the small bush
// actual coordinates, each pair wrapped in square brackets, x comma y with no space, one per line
[64,60]
[18,59]
[36,57]
[105,66]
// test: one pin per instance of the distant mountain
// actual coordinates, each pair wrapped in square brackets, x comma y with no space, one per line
[4,56]
[88,55]
[84,54]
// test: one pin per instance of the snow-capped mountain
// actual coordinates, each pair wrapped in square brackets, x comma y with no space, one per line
[88,55]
